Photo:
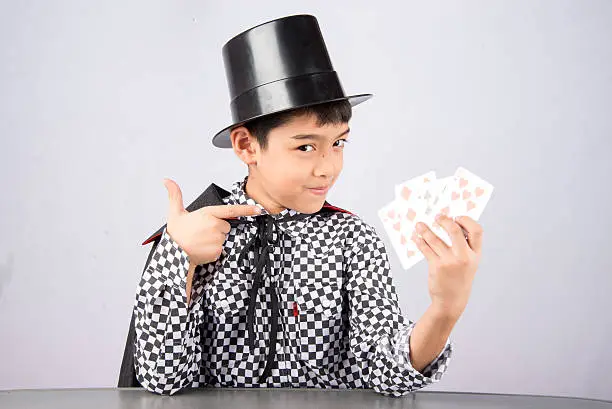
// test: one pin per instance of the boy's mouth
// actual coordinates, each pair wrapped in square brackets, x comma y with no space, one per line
[321,190]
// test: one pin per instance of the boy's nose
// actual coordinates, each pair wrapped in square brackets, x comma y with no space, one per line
[326,166]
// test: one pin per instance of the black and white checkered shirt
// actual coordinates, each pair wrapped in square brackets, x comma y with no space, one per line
[338,322]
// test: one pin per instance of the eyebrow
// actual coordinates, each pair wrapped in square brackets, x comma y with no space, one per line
[317,136]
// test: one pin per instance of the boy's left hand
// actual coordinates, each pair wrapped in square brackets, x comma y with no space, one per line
[451,269]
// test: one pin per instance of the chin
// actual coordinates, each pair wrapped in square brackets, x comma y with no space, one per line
[306,203]
[310,208]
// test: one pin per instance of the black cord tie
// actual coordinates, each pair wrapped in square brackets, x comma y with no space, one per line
[262,245]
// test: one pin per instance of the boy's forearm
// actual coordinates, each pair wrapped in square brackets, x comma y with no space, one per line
[429,336]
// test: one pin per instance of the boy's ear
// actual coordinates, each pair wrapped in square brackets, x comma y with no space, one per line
[245,145]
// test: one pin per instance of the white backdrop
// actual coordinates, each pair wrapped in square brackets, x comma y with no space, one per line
[101,100]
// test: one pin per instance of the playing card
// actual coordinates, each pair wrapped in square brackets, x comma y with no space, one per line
[412,197]
[464,195]
[399,217]
[469,194]
[408,189]
[394,222]
[421,198]
[432,192]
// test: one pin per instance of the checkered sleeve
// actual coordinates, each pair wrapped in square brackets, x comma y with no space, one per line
[167,356]
[379,334]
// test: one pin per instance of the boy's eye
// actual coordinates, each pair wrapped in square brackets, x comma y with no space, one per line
[307,148]
[304,148]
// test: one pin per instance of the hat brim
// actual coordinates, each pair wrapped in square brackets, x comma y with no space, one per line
[222,138]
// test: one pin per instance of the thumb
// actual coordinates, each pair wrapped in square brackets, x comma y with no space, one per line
[175,196]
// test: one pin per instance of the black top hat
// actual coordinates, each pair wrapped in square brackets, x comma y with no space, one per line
[277,66]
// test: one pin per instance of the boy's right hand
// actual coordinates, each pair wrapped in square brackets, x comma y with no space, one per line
[201,233]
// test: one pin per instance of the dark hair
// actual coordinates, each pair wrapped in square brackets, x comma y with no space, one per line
[336,112]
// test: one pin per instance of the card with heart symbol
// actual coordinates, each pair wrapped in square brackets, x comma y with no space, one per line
[395,224]
[421,198]
[399,217]
[468,194]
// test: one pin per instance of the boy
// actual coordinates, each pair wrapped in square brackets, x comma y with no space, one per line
[268,285]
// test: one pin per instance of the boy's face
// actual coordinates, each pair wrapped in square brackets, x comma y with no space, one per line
[298,167]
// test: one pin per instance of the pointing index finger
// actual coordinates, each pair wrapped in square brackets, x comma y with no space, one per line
[231,211]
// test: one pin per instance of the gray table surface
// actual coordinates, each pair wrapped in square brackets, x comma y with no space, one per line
[277,398]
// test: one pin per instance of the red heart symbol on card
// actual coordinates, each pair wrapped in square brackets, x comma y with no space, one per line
[479,191]
[455,196]
[391,214]
[410,253]
[406,193]
[411,214]
[396,226]
[470,205]
[463,183]
[466,194]
[403,240]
